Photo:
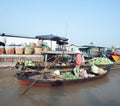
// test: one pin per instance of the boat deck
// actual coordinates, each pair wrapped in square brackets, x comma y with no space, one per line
[11,59]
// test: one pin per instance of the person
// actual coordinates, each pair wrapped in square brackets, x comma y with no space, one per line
[2,40]
[103,53]
[78,62]
[39,42]
[78,58]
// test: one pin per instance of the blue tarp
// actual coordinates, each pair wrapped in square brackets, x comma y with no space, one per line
[51,37]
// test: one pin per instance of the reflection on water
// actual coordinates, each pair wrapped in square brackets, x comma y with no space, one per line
[101,92]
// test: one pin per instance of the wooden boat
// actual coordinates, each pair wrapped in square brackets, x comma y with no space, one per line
[113,53]
[45,79]
[115,56]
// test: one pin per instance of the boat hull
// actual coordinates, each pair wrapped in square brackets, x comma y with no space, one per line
[116,58]
[48,83]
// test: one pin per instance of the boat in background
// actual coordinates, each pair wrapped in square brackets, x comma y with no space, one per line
[115,56]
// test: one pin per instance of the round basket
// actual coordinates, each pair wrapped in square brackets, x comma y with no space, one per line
[32,44]
[28,51]
[2,50]
[37,50]
[19,50]
[9,50]
[46,49]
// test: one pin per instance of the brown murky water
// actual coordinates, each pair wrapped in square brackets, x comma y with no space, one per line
[102,92]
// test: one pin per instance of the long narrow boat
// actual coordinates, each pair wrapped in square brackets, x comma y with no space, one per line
[29,78]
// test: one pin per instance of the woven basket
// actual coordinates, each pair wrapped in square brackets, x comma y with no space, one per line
[28,51]
[32,45]
[46,49]
[19,50]
[37,50]
[2,50]
[9,50]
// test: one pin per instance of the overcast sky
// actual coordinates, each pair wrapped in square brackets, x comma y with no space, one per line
[82,21]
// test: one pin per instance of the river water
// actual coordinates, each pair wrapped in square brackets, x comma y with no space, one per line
[102,92]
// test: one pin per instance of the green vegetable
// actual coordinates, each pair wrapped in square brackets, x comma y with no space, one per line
[99,61]
[29,63]
[68,75]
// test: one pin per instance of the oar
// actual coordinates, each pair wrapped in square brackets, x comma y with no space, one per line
[31,84]
[37,78]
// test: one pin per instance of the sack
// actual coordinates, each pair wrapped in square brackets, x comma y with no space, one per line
[94,69]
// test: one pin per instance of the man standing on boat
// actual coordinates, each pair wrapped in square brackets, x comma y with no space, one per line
[2,40]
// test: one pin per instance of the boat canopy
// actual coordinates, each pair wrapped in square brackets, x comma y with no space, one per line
[6,35]
[51,37]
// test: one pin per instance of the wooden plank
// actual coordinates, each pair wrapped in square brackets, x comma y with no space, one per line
[57,52]
[15,58]
[19,56]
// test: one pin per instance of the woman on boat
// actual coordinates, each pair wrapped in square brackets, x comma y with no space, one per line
[78,62]
[78,58]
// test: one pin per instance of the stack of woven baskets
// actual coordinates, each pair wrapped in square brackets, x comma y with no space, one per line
[32,48]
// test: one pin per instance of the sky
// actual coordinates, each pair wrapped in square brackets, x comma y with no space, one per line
[81,21]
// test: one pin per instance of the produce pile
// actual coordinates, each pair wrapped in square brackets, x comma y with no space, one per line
[81,73]
[68,75]
[99,61]
[29,63]
[76,73]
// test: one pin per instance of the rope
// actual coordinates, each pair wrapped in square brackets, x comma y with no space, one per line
[52,62]
[50,58]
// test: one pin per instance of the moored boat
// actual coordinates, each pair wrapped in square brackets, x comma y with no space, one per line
[115,56]
[64,78]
